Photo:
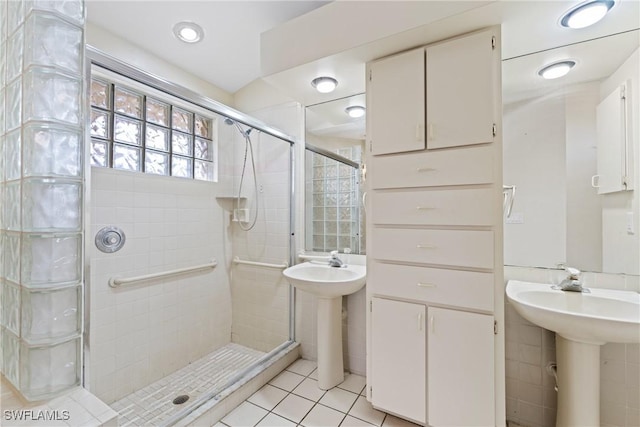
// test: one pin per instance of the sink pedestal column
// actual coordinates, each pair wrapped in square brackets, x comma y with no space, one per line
[330,365]
[578,367]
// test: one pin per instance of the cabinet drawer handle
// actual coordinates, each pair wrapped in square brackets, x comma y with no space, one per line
[425,169]
[420,321]
[425,246]
[424,208]
[432,324]
[426,285]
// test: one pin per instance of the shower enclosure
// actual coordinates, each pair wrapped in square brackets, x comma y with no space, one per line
[199,304]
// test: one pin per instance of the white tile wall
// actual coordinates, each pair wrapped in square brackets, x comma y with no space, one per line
[531,399]
[141,333]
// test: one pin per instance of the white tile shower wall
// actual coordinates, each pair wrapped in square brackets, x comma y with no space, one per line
[531,398]
[143,332]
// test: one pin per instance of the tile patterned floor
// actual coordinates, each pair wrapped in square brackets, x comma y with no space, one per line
[293,399]
[154,404]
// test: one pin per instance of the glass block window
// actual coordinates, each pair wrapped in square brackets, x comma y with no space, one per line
[334,207]
[135,131]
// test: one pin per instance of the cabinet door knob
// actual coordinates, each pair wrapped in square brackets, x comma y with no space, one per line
[420,132]
[431,131]
[423,208]
[595,181]
[426,285]
[420,321]
[425,247]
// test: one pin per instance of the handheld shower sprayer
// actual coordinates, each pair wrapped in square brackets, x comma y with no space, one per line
[248,149]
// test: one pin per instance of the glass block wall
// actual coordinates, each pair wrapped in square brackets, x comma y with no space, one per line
[131,130]
[335,213]
[41,193]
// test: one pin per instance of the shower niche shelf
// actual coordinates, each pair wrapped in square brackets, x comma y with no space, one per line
[228,203]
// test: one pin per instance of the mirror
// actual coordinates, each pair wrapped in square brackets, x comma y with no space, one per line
[552,152]
[334,214]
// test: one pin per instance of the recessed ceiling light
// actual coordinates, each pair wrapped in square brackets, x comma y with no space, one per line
[556,70]
[188,32]
[586,13]
[355,111]
[324,84]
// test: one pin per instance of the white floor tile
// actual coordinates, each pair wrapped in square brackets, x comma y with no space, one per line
[350,421]
[353,383]
[287,380]
[273,420]
[321,416]
[247,414]
[267,397]
[391,421]
[363,410]
[314,375]
[309,389]
[293,408]
[302,367]
[339,399]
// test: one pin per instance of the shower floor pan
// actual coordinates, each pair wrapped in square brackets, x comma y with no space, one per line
[153,404]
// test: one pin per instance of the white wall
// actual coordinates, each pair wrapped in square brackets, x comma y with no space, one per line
[531,399]
[143,332]
[123,50]
[621,251]
[534,161]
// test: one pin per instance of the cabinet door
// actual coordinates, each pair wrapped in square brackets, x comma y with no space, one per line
[611,139]
[398,358]
[461,95]
[395,97]
[461,368]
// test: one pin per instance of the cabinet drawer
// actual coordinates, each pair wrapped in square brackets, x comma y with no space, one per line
[468,248]
[432,285]
[433,207]
[433,168]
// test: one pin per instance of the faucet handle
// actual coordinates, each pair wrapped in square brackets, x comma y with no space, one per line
[573,272]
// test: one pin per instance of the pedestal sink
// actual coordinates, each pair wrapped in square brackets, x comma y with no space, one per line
[582,323]
[328,284]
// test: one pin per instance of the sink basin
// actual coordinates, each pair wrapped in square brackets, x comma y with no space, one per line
[324,281]
[598,317]
[582,323]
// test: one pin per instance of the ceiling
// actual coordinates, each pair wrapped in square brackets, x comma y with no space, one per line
[229,54]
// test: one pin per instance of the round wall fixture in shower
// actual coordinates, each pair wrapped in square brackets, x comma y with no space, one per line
[110,239]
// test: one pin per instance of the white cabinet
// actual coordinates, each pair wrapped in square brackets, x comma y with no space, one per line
[460,370]
[434,234]
[398,343]
[456,343]
[397,111]
[453,92]
[461,105]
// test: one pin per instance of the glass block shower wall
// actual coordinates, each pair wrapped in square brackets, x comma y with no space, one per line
[335,205]
[41,193]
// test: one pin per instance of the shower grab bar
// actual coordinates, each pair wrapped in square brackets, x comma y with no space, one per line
[116,282]
[237,260]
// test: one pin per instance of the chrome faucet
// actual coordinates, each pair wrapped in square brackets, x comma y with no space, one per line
[572,282]
[334,261]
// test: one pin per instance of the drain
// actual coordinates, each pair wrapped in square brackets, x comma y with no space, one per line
[180,399]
